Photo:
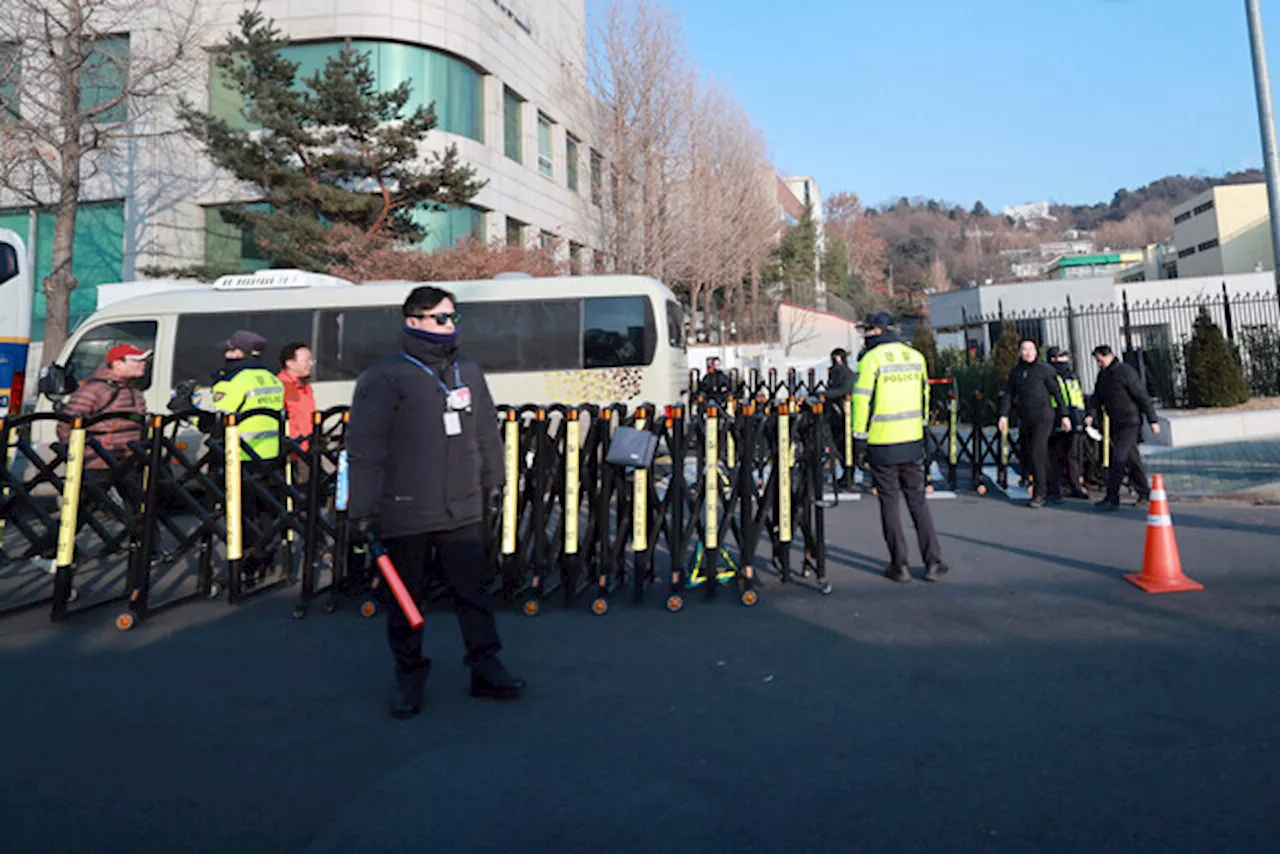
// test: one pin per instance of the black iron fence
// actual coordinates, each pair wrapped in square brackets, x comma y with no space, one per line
[1151,335]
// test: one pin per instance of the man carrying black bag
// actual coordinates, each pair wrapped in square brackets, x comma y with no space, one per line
[426,457]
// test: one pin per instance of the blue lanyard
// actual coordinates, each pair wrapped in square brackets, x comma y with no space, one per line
[457,378]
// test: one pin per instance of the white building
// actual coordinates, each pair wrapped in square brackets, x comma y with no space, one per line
[1031,214]
[507,78]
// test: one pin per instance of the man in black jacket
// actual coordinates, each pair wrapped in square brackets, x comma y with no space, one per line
[1035,387]
[425,457]
[1120,393]
[716,385]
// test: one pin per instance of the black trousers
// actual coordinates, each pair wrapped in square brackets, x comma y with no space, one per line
[1064,453]
[459,557]
[893,483]
[1034,437]
[257,511]
[1125,457]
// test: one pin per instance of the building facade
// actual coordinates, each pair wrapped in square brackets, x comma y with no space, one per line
[508,82]
[1091,266]
[1222,231]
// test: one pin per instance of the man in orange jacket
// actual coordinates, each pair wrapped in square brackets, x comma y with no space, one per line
[299,399]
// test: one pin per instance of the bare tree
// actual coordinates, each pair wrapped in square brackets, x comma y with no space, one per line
[81,79]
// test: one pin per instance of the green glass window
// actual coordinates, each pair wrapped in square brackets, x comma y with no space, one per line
[511,107]
[98,257]
[104,77]
[545,167]
[227,246]
[454,87]
[571,162]
[448,227]
[597,170]
[515,232]
[10,78]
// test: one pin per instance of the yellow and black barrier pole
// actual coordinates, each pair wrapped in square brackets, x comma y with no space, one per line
[312,528]
[572,555]
[711,499]
[68,521]
[232,486]
[643,558]
[1002,473]
[953,438]
[510,499]
[1106,444]
[817,501]
[847,474]
[746,507]
[676,500]
[140,588]
[782,547]
[10,451]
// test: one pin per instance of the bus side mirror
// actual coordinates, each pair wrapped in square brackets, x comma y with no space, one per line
[57,381]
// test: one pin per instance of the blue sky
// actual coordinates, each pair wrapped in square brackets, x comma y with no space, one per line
[1008,101]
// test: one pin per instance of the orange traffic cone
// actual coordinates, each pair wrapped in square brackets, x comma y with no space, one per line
[1161,566]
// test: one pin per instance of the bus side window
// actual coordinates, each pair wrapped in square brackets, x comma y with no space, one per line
[617,332]
[90,352]
[8,262]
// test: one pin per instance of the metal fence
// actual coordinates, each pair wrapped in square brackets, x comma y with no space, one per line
[1153,336]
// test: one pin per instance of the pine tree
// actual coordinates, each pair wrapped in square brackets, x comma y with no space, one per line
[1214,377]
[1005,355]
[925,342]
[330,158]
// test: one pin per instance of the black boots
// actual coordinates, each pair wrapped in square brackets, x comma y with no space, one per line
[408,695]
[490,679]
[935,571]
[898,574]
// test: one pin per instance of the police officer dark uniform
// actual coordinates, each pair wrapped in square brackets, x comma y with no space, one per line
[425,457]
[890,402]
[1034,385]
[716,385]
[247,384]
[1064,445]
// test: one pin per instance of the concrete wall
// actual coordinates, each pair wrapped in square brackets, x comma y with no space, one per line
[1239,221]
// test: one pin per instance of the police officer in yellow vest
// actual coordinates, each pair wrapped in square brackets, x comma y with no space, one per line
[890,404]
[247,384]
[1064,445]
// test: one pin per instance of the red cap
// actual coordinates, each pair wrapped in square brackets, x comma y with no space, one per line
[126,351]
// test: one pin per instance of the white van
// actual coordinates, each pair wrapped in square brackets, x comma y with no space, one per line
[570,339]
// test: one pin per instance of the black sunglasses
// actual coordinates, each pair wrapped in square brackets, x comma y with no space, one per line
[442,317]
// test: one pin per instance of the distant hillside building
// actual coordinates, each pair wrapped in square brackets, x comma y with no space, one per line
[1031,214]
[1091,266]
[1222,231]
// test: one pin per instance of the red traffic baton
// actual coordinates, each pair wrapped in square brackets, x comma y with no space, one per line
[401,592]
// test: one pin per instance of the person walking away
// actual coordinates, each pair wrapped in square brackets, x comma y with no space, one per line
[296,364]
[890,403]
[1121,394]
[246,385]
[839,387]
[1034,386]
[425,458]
[1064,445]
[112,388]
[715,386]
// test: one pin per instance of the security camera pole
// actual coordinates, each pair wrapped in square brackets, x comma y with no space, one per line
[1262,84]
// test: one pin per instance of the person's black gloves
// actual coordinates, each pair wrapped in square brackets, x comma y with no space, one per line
[493,502]
[364,530]
[860,454]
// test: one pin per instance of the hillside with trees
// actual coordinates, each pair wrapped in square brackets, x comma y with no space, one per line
[892,255]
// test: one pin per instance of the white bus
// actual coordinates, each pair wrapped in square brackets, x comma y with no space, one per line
[15,321]
[573,339]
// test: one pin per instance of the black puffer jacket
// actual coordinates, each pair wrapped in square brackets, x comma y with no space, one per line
[404,470]
[1119,391]
[1035,386]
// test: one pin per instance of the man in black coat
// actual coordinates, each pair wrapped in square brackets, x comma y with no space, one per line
[1034,385]
[1120,392]
[716,385]
[426,456]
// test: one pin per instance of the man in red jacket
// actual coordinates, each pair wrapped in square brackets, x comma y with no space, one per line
[299,397]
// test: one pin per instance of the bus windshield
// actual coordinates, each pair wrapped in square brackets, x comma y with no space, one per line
[15,320]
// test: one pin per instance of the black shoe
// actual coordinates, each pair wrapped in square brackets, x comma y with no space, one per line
[1144,498]
[1080,494]
[1106,506]
[935,571]
[1036,503]
[1054,499]
[490,679]
[898,574]
[409,688]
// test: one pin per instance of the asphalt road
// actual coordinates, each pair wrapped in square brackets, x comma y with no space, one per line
[1034,701]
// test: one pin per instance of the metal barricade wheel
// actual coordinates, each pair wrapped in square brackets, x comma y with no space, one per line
[674,603]
[749,598]
[125,621]
[599,606]
[368,608]
[531,608]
